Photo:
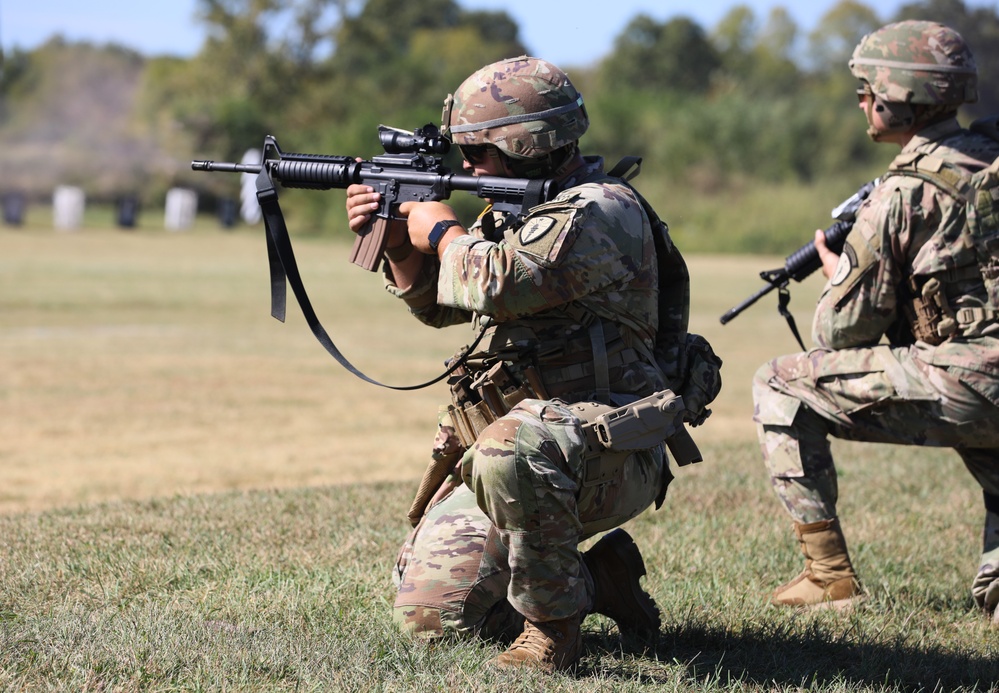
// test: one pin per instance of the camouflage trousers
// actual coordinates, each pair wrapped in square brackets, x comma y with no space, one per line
[878,394]
[504,546]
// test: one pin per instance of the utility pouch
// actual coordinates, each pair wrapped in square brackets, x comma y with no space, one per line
[930,316]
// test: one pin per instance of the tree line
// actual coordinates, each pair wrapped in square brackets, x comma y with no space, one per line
[751,100]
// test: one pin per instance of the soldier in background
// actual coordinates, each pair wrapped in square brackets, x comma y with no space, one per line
[909,275]
[575,298]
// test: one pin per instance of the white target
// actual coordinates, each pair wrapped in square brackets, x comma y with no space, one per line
[249,208]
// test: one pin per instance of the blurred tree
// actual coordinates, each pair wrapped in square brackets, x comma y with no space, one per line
[67,106]
[15,66]
[758,59]
[774,65]
[839,31]
[652,56]
[734,35]
[387,48]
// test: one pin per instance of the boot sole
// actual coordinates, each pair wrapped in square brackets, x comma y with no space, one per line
[842,606]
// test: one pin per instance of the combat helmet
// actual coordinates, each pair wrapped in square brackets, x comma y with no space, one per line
[917,62]
[524,106]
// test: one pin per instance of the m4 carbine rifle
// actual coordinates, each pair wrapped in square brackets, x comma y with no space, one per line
[805,260]
[410,170]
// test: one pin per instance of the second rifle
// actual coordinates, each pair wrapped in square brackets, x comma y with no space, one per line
[805,260]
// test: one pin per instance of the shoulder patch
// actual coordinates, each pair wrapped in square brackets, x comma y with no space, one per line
[847,261]
[548,233]
[535,229]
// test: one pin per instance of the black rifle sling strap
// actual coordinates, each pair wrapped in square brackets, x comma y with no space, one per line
[284,270]
[783,299]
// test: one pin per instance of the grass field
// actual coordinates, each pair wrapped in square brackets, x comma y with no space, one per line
[196,497]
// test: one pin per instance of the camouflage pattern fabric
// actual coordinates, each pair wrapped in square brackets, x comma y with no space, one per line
[903,393]
[452,575]
[490,107]
[513,542]
[592,247]
[917,62]
[876,394]
[504,546]
[590,252]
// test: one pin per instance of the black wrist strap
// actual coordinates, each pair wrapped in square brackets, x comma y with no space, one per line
[284,271]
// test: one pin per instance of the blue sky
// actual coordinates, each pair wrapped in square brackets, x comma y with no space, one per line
[578,38]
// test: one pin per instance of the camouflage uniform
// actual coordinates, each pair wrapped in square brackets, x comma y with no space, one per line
[504,545]
[908,391]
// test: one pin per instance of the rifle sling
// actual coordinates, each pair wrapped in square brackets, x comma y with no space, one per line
[284,271]
[783,299]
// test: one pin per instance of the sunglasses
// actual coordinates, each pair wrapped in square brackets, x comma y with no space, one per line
[474,154]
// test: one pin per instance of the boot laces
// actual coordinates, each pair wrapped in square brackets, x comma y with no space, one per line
[535,640]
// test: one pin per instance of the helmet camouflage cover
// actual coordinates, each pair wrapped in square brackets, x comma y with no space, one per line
[525,106]
[917,62]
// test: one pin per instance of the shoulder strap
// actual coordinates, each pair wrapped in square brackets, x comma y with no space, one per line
[627,168]
[950,178]
[674,278]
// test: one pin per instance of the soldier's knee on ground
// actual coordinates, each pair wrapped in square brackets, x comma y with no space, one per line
[501,623]
[419,621]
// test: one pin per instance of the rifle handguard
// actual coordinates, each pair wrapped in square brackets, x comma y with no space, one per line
[805,260]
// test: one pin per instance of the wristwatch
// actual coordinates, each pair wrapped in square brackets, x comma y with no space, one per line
[437,233]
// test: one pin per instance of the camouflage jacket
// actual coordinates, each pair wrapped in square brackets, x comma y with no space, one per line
[907,228]
[587,254]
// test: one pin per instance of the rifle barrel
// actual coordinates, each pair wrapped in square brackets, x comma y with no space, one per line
[225,167]
[733,312]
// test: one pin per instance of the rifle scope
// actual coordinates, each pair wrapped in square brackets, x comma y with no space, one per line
[425,140]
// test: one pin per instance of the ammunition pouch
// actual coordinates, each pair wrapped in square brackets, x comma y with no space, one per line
[478,401]
[932,318]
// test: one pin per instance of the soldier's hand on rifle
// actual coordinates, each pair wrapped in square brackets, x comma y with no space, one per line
[362,202]
[829,258]
[423,217]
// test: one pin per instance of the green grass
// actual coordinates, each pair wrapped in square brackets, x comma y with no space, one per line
[196,497]
[290,590]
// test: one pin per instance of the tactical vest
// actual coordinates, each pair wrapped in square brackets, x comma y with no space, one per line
[960,297]
[573,355]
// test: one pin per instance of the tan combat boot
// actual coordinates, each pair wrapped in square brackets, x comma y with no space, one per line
[550,646]
[828,580]
[616,566]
